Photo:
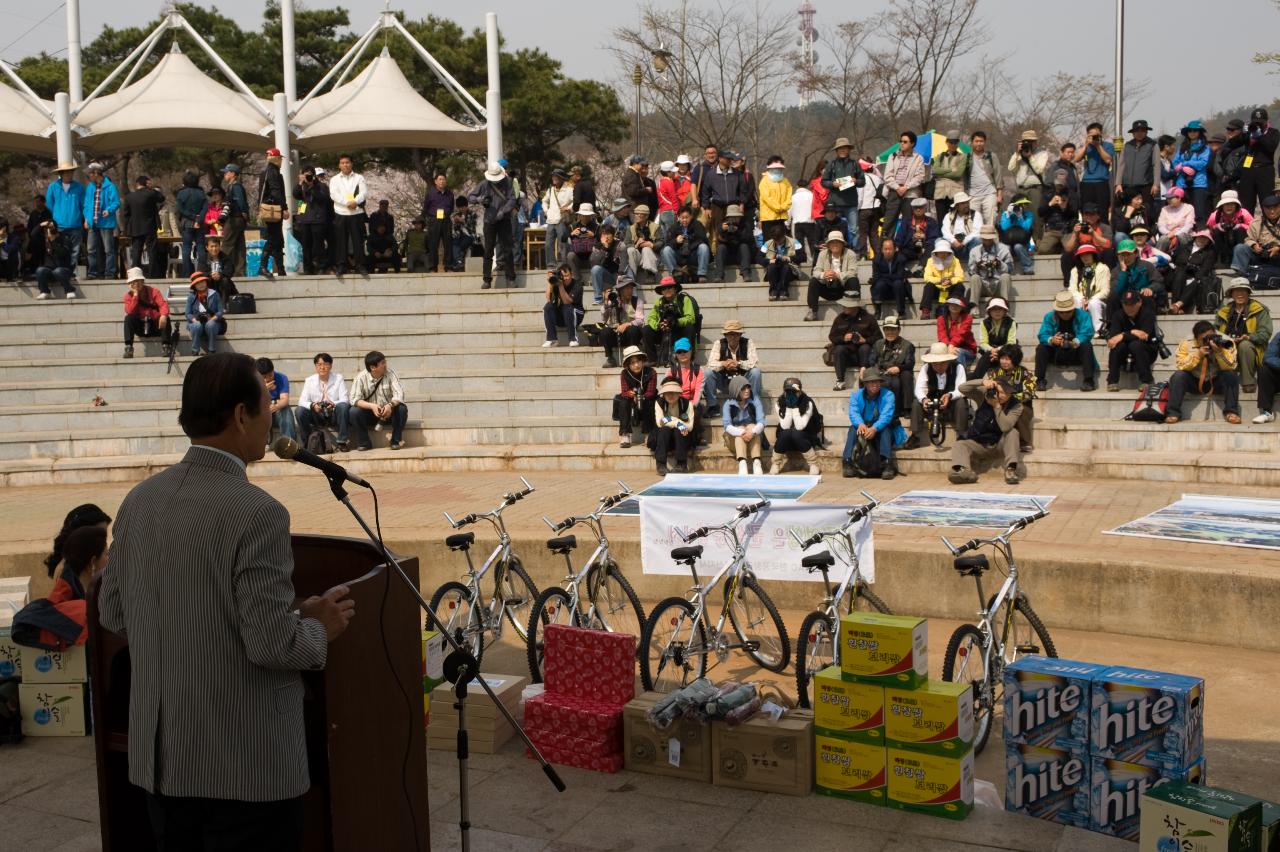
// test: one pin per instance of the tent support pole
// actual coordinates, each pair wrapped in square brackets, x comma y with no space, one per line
[281,101]
[288,45]
[149,43]
[137,51]
[62,122]
[461,95]
[231,76]
[493,97]
[351,52]
[24,89]
[74,68]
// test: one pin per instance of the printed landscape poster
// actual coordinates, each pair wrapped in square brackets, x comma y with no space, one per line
[727,486]
[1236,521]
[958,509]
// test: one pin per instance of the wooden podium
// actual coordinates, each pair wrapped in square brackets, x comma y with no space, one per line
[364,713]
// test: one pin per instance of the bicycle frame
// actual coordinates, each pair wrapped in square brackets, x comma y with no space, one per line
[501,555]
[733,569]
[594,522]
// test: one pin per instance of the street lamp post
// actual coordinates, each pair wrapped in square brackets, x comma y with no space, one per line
[637,77]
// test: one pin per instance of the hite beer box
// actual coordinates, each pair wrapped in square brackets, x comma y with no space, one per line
[54,709]
[1116,791]
[10,656]
[891,650]
[1182,817]
[41,666]
[682,750]
[936,718]
[847,707]
[1147,717]
[1047,783]
[761,754]
[930,783]
[1046,703]
[849,769]
[591,664]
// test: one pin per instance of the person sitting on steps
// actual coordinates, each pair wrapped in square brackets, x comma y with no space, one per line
[146,314]
[563,306]
[743,418]
[995,330]
[895,357]
[1195,279]
[993,432]
[1090,286]
[872,418]
[853,332]
[673,427]
[937,384]
[796,433]
[737,242]
[633,404]
[377,398]
[282,414]
[1246,322]
[692,379]
[990,266]
[915,235]
[1066,339]
[1008,368]
[943,278]
[204,315]
[1268,382]
[1132,331]
[955,328]
[889,278]
[835,272]
[622,318]
[686,247]
[780,266]
[731,356]
[671,317]
[1206,364]
[324,402]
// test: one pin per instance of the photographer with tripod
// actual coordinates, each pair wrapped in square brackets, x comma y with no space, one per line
[673,316]
[1206,364]
[937,395]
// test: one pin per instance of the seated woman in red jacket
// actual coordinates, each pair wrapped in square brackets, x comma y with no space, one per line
[58,622]
[955,328]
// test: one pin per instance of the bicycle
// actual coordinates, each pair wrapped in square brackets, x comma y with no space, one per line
[611,602]
[973,646]
[673,657]
[818,643]
[463,606]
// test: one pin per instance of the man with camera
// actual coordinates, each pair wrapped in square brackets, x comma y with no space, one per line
[993,432]
[563,305]
[1097,154]
[1057,216]
[1258,169]
[1246,322]
[1133,339]
[731,356]
[1066,339]
[1138,169]
[1028,167]
[672,317]
[1092,231]
[146,314]
[937,394]
[686,246]
[324,403]
[1261,244]
[58,251]
[1206,364]
[622,318]
[311,222]
[990,266]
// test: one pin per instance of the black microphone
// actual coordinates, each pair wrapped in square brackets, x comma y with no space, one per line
[288,449]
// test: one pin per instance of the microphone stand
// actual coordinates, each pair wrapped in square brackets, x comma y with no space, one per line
[461,664]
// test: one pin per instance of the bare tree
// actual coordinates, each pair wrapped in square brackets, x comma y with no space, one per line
[846,85]
[1272,59]
[925,40]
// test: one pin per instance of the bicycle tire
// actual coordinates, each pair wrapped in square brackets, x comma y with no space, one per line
[1022,606]
[983,720]
[672,608]
[618,602]
[538,618]
[813,625]
[518,616]
[874,602]
[449,621]
[779,657]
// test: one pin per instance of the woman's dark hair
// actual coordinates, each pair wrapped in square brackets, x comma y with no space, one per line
[83,546]
[85,515]
[822,167]
[777,232]
[1013,351]
[190,179]
[213,387]
[322,356]
[1165,139]
[265,366]
[373,359]
[563,268]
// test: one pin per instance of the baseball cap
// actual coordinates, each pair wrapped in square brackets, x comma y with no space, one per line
[1130,297]
[682,345]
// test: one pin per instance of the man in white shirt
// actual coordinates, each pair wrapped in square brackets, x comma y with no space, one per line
[803,228]
[324,402]
[557,206]
[348,191]
[870,199]
[937,386]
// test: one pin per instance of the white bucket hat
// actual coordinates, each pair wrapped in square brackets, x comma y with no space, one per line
[494,173]
[938,353]
[835,236]
[683,160]
[997,302]
[586,209]
[942,246]
[1229,196]
[666,166]
[134,274]
[960,198]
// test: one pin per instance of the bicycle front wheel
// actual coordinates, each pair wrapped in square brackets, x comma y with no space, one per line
[755,619]
[865,600]
[452,605]
[617,607]
[674,645]
[518,594]
[966,662]
[1027,633]
[815,650]
[551,607]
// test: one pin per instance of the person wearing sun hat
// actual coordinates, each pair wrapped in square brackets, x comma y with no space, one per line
[731,356]
[65,199]
[943,278]
[1029,169]
[853,332]
[1066,339]
[835,272]
[949,168]
[996,330]
[1262,241]
[673,431]
[1191,167]
[1193,280]
[873,422]
[498,198]
[1090,284]
[895,357]
[990,265]
[937,384]
[638,388]
[1247,322]
[1228,224]
[622,316]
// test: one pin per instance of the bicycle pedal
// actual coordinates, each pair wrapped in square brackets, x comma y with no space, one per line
[1028,649]
[751,645]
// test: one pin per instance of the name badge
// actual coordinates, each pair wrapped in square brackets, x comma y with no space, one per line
[1248,162]
[439,212]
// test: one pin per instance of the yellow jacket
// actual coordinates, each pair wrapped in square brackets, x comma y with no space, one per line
[775,199]
[1188,358]
[933,275]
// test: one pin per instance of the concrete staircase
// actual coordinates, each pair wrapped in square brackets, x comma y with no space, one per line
[484,395]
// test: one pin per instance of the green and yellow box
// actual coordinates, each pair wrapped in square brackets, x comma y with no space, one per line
[891,650]
[937,718]
[930,783]
[1187,816]
[1270,827]
[432,665]
[54,709]
[849,769]
[847,707]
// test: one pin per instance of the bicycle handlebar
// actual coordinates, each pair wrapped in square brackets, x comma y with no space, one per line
[751,508]
[461,522]
[856,514]
[1020,524]
[557,526]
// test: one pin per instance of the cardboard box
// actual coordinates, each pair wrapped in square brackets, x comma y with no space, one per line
[15,593]
[1192,818]
[1117,788]
[936,718]
[487,729]
[930,783]
[849,769]
[591,664]
[1270,827]
[1152,718]
[682,750]
[10,656]
[1047,703]
[505,687]
[40,666]
[1047,783]
[54,709]
[843,706]
[891,650]
[433,654]
[761,754]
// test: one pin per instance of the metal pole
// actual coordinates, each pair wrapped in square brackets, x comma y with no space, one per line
[1119,116]
[126,62]
[493,96]
[62,123]
[461,95]
[637,77]
[231,76]
[352,51]
[287,49]
[281,116]
[74,71]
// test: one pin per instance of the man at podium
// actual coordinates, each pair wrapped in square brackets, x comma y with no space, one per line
[198,581]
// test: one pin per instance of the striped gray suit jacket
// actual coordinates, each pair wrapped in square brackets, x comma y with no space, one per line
[198,580]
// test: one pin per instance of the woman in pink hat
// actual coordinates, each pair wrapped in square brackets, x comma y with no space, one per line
[1090,283]
[1228,223]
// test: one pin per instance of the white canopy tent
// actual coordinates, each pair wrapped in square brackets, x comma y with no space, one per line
[379,108]
[24,129]
[175,104]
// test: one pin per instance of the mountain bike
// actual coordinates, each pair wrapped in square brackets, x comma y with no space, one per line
[462,605]
[679,636]
[1007,628]
[606,603]
[818,643]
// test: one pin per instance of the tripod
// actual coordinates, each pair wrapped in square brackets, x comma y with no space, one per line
[461,667]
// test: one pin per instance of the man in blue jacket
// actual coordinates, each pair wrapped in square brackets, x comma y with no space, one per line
[1066,339]
[871,418]
[65,199]
[101,201]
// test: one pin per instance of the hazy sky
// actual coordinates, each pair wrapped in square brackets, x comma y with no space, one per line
[1202,49]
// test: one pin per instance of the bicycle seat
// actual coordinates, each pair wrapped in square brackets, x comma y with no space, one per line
[687,554]
[460,541]
[818,560]
[972,566]
[563,544]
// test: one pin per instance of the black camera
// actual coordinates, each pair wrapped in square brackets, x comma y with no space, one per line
[1025,147]
[991,393]
[1161,349]
[202,318]
[1220,341]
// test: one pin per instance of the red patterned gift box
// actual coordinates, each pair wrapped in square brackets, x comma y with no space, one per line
[564,757]
[588,721]
[590,664]
[565,741]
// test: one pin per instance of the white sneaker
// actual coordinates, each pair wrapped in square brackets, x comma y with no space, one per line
[71,295]
[757,468]
[548,343]
[1264,417]
[742,467]
[573,343]
[42,296]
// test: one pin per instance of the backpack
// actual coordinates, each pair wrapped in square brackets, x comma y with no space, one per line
[1263,277]
[867,461]
[242,303]
[318,443]
[1152,405]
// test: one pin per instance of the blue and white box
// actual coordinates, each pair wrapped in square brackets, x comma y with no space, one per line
[1047,703]
[1048,783]
[1116,789]
[1149,718]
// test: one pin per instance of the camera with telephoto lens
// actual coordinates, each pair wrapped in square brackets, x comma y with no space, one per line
[668,312]
[1161,349]
[1220,341]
